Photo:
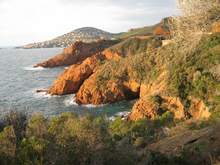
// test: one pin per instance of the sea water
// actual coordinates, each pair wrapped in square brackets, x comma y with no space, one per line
[19,82]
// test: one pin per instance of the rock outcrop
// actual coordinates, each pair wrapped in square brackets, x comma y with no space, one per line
[173,146]
[216,27]
[114,91]
[155,87]
[71,79]
[76,53]
[154,102]
[198,109]
[150,108]
[143,109]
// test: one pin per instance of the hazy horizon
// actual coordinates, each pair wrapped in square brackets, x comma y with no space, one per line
[27,21]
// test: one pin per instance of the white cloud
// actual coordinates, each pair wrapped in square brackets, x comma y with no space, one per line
[25,21]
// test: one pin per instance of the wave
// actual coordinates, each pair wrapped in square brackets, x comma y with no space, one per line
[93,106]
[42,95]
[122,115]
[70,100]
[30,68]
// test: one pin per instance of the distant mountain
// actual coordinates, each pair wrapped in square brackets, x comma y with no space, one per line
[86,34]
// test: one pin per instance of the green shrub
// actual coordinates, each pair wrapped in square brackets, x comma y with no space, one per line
[32,151]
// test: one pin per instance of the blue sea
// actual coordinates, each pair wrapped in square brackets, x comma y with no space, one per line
[19,82]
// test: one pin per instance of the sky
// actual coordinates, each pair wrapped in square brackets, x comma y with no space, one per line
[27,21]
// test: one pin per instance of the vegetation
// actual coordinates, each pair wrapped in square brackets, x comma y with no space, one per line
[192,74]
[70,139]
[137,63]
[145,31]
[87,140]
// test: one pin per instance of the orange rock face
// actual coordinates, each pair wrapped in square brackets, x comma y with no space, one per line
[91,93]
[160,31]
[199,110]
[71,80]
[145,108]
[76,53]
[155,87]
[216,27]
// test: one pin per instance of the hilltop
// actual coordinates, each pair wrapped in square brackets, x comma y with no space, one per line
[85,34]
[90,34]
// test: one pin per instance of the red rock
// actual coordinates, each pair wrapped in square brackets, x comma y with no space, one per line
[146,108]
[143,109]
[72,78]
[216,27]
[114,91]
[199,110]
[76,53]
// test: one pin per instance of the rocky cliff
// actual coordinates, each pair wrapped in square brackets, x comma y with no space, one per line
[73,78]
[163,78]
[76,53]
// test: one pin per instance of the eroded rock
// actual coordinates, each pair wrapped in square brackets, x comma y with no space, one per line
[76,53]
[70,81]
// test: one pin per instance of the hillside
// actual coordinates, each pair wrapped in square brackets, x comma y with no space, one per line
[158,29]
[86,34]
[90,34]
[175,120]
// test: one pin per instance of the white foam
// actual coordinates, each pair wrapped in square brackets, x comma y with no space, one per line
[93,106]
[42,95]
[122,115]
[70,100]
[30,68]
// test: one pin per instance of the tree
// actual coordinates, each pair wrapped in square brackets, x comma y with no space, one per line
[197,18]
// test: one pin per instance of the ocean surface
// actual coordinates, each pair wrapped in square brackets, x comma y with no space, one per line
[19,82]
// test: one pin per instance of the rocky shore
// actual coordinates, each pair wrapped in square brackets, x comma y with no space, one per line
[142,68]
